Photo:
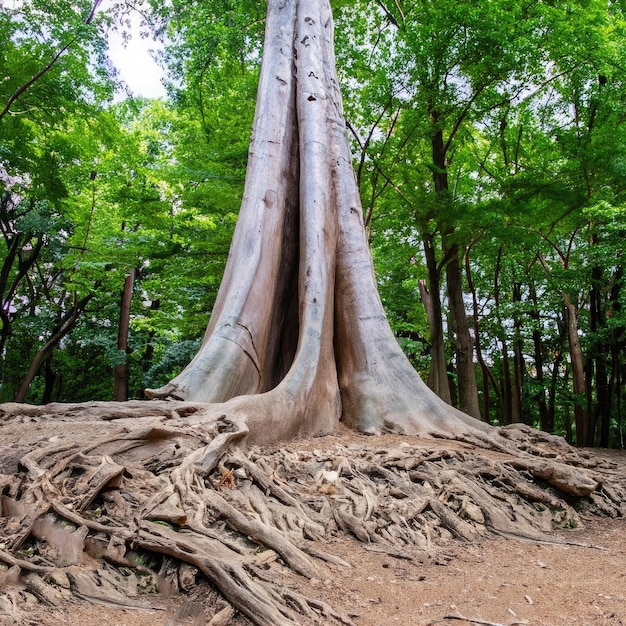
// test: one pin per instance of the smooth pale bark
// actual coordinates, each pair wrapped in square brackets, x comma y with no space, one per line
[298,338]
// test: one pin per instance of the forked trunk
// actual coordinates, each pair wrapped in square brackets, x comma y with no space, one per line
[298,338]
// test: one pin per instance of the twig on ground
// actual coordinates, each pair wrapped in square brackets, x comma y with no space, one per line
[473,620]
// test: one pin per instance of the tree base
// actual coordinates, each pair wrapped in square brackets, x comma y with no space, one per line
[100,496]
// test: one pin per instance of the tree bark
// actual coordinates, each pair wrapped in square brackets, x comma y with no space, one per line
[120,373]
[505,385]
[618,343]
[64,327]
[487,375]
[466,371]
[579,380]
[519,366]
[298,338]
[431,299]
[546,421]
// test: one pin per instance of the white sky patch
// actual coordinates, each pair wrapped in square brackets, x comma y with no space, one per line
[136,67]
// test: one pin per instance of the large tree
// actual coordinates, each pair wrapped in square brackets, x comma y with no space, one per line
[298,322]
[298,339]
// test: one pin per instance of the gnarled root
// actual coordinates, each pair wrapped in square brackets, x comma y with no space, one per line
[85,490]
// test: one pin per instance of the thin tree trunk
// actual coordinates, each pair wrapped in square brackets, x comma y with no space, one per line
[51,377]
[25,260]
[579,381]
[617,345]
[65,326]
[120,373]
[505,386]
[556,366]
[487,374]
[540,397]
[556,370]
[518,360]
[569,432]
[431,299]
[466,372]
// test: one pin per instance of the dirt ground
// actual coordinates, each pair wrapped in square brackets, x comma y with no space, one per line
[493,581]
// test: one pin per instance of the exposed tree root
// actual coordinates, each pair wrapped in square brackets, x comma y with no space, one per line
[102,506]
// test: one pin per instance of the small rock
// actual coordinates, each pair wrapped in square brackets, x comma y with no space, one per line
[240,472]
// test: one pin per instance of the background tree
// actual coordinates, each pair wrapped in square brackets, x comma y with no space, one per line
[494,76]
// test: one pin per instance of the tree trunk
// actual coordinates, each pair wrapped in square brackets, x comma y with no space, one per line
[517,414]
[464,348]
[487,375]
[64,327]
[579,381]
[547,424]
[431,299]
[51,376]
[466,373]
[505,385]
[298,337]
[120,373]
[617,344]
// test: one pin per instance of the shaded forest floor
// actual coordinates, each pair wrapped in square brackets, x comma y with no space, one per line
[486,578]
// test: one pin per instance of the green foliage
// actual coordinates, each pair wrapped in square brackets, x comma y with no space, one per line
[523,98]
